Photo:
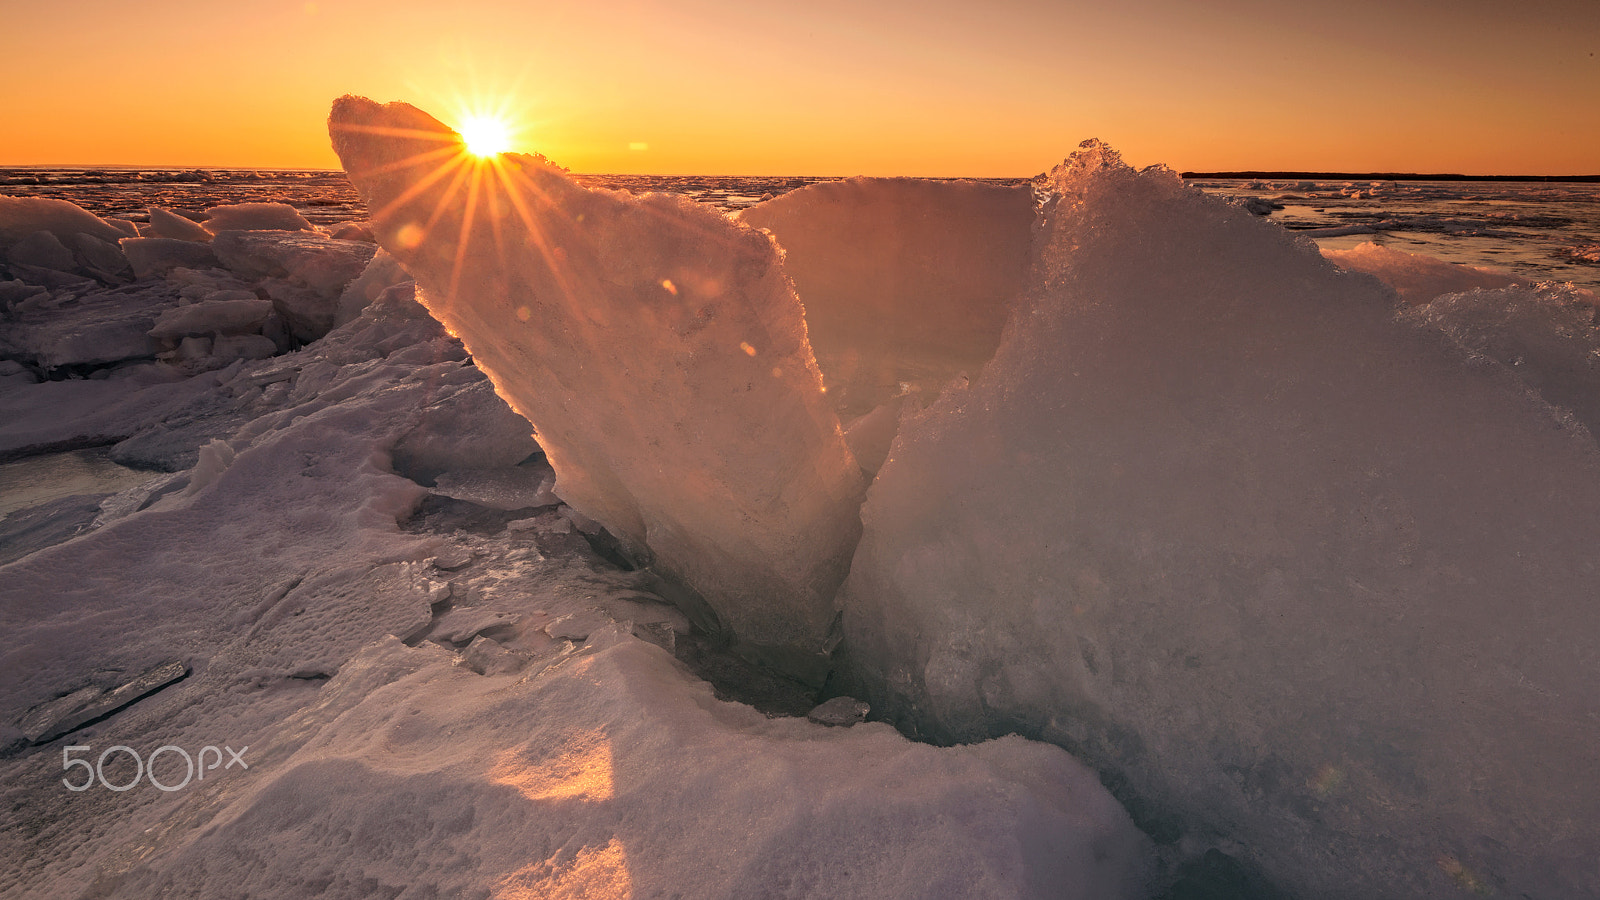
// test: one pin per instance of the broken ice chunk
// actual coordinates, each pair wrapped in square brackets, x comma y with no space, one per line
[840,711]
[240,316]
[102,259]
[1278,566]
[508,488]
[1415,277]
[303,271]
[465,622]
[453,558]
[469,428]
[21,216]
[152,257]
[80,707]
[903,279]
[43,249]
[255,217]
[486,656]
[104,326]
[164,224]
[657,348]
[661,634]
[577,626]
[381,273]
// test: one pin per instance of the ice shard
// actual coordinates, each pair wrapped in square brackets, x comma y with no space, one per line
[659,352]
[1291,574]
[907,282]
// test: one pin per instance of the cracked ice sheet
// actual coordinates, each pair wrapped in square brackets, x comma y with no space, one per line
[659,352]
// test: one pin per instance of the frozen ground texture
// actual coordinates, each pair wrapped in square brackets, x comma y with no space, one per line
[440,697]
[660,353]
[1288,573]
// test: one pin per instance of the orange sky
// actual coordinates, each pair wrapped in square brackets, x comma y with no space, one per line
[822,87]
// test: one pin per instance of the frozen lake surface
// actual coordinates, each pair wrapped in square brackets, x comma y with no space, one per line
[1542,231]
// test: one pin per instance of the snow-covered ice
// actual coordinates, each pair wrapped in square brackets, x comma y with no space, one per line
[255,217]
[318,602]
[611,773]
[21,217]
[1281,568]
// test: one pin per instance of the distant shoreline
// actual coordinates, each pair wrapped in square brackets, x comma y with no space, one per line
[1382,176]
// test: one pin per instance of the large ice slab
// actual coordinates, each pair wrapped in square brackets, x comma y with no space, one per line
[170,225]
[255,217]
[58,244]
[906,282]
[225,316]
[99,326]
[656,347]
[304,272]
[22,216]
[1283,569]
[153,257]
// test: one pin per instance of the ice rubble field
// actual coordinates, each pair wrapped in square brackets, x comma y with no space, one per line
[1295,561]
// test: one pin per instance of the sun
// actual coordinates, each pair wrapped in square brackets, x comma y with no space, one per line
[485,136]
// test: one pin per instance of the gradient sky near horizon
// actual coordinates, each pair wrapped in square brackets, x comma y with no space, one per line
[823,87]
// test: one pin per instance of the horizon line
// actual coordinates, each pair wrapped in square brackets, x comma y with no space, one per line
[1224,174]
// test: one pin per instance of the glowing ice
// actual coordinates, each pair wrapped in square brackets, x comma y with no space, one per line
[656,347]
[165,224]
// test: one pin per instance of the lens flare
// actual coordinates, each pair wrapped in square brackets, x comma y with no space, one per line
[485,136]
